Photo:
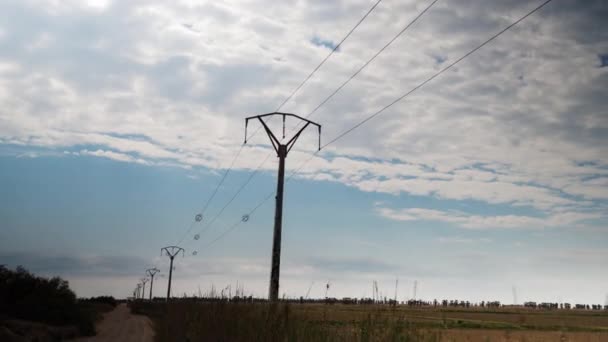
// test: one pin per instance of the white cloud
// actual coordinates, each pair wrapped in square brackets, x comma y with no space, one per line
[112,155]
[462,240]
[470,221]
[522,122]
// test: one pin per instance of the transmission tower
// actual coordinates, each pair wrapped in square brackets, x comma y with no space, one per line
[415,288]
[171,252]
[310,287]
[282,151]
[152,272]
[138,291]
[143,280]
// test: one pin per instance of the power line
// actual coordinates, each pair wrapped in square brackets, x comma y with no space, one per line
[405,28]
[266,198]
[217,187]
[278,108]
[231,228]
[372,58]
[251,175]
[329,55]
[420,85]
[435,75]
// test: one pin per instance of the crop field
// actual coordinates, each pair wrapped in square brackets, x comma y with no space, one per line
[189,320]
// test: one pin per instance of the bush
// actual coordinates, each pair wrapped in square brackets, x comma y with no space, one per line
[28,297]
[109,300]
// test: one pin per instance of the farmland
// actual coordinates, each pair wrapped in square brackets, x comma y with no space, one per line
[198,321]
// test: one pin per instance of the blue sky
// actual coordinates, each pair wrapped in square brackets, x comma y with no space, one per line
[119,119]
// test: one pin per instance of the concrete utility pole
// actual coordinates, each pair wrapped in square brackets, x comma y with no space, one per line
[143,287]
[282,150]
[171,252]
[151,272]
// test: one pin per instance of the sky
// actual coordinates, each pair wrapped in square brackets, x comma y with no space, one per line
[490,182]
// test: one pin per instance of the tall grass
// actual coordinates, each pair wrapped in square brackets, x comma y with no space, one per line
[224,321]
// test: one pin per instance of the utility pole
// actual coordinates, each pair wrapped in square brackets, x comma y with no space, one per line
[171,252]
[396,286]
[144,280]
[282,151]
[138,290]
[151,272]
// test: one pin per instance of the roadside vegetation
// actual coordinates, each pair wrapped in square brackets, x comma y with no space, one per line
[38,307]
[200,320]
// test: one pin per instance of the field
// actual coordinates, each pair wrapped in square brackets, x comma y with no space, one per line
[188,320]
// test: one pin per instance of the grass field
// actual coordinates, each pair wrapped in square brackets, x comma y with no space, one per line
[221,321]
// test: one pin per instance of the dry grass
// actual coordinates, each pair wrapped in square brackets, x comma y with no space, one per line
[222,321]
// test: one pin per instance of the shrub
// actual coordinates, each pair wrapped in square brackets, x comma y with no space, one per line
[28,297]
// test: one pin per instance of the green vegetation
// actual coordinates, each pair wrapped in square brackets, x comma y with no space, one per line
[24,296]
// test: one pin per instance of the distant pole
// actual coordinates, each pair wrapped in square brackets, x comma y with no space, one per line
[143,287]
[171,252]
[138,291]
[282,151]
[151,272]
[396,286]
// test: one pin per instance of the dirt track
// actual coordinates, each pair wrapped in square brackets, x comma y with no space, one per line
[120,325]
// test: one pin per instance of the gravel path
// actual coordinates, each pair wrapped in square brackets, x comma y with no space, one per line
[120,325]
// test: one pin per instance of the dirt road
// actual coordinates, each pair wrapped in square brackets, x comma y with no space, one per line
[120,325]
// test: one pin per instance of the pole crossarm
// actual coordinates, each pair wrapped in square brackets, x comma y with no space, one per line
[273,139]
[152,271]
[172,251]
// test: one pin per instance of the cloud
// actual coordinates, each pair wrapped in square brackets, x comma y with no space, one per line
[112,155]
[521,123]
[324,43]
[470,221]
[69,265]
[359,265]
[462,240]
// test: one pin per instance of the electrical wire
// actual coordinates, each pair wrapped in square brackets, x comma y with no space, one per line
[255,171]
[217,187]
[251,175]
[400,98]
[322,103]
[372,58]
[420,85]
[329,55]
